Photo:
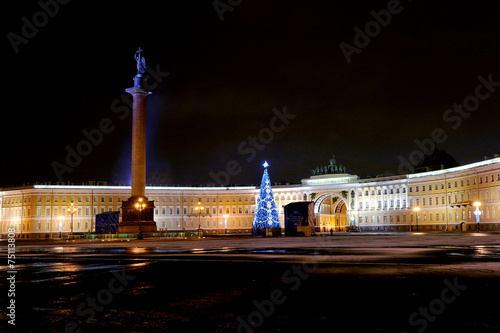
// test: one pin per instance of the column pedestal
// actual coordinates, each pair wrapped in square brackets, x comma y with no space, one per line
[132,218]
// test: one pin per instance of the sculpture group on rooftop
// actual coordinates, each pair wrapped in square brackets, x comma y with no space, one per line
[332,168]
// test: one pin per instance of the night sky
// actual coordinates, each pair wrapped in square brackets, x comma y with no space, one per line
[226,77]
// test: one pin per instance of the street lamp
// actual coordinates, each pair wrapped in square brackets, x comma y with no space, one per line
[72,210]
[477,212]
[225,223]
[140,206]
[61,218]
[416,210]
[199,210]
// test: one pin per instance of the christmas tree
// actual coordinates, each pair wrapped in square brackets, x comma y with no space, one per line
[266,215]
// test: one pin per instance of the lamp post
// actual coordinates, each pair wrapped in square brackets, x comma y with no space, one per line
[225,223]
[60,226]
[199,210]
[416,210]
[140,206]
[353,219]
[72,210]
[477,212]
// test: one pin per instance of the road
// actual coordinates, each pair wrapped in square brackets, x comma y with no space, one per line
[343,283]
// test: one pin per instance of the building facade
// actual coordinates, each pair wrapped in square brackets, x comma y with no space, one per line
[444,200]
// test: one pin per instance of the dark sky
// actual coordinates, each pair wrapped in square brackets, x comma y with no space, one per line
[226,77]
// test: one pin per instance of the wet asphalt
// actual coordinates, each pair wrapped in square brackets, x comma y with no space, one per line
[344,283]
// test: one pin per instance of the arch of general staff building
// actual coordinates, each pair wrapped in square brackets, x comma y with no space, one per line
[440,200]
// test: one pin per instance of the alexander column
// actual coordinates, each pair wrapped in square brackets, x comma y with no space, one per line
[138,211]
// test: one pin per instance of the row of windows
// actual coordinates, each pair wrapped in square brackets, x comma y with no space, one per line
[205,224]
[379,191]
[387,203]
[85,226]
[462,183]
[459,197]
[15,212]
[396,190]
[431,217]
[110,199]
[228,210]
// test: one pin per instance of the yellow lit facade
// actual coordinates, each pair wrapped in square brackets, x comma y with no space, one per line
[445,198]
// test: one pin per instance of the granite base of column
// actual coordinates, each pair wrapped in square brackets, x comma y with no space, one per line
[135,220]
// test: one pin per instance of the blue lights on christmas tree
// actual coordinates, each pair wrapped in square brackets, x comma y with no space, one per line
[266,215]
